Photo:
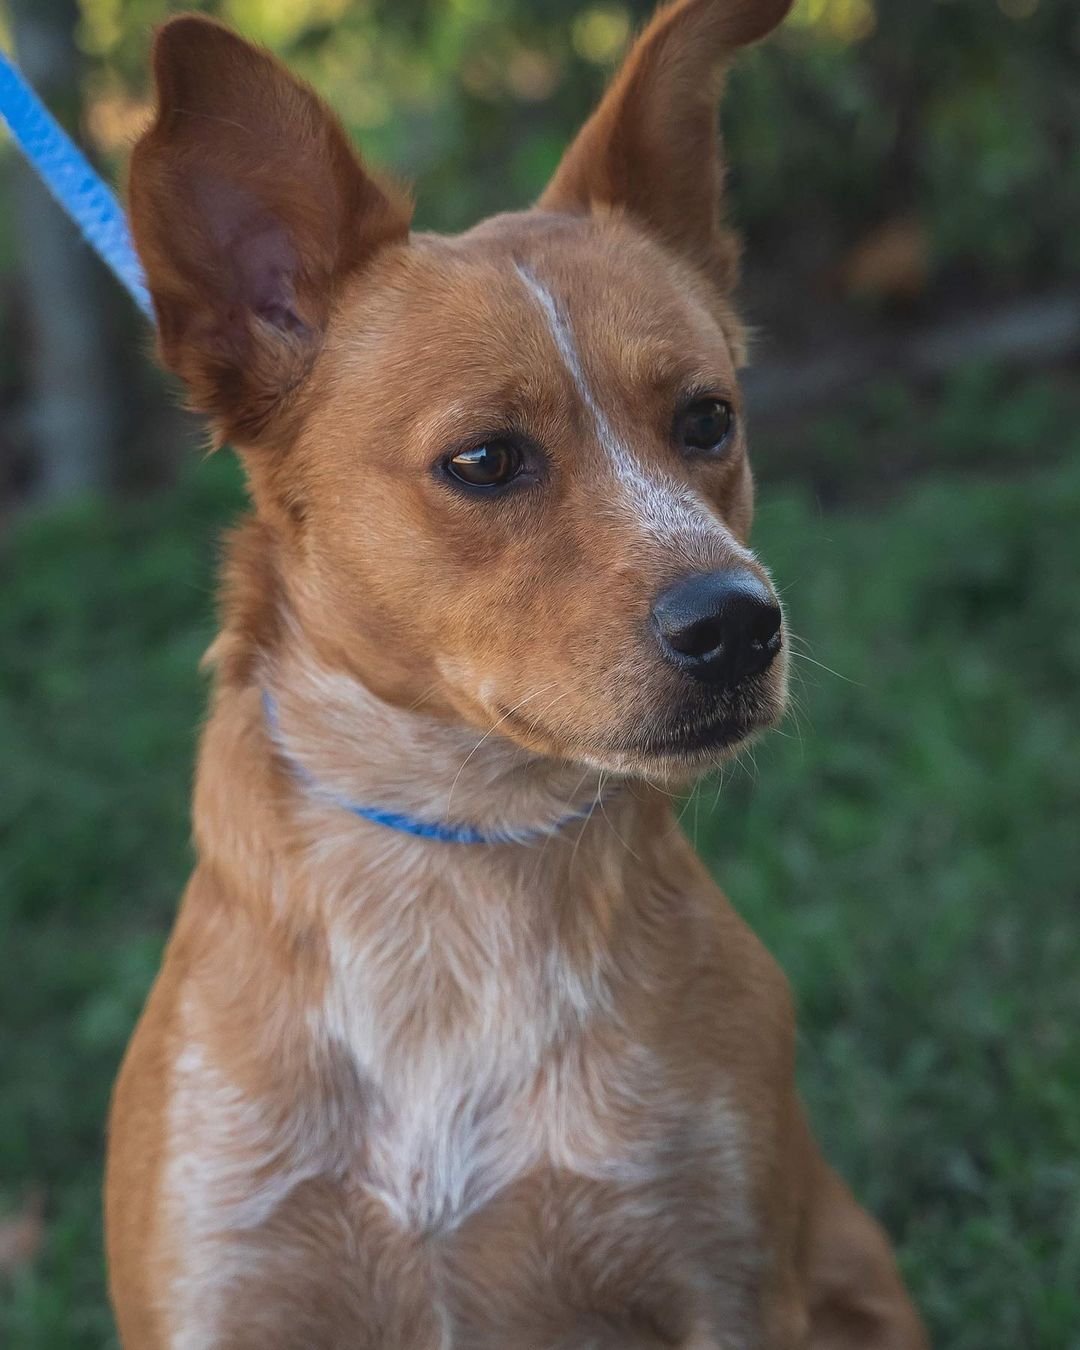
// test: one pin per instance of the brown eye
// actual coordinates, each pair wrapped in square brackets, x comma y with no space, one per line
[704,426]
[486,466]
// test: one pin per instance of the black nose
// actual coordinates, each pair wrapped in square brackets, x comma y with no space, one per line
[718,626]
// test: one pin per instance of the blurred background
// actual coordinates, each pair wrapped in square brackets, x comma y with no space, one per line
[907,177]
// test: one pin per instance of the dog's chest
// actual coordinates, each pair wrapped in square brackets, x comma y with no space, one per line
[581,1182]
[454,1115]
[442,1177]
[481,1058]
[479,1117]
[445,1137]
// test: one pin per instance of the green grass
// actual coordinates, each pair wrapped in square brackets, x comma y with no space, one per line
[908,848]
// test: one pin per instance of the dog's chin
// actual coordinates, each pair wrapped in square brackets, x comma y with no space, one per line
[686,751]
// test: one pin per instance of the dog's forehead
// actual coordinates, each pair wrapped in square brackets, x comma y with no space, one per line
[506,299]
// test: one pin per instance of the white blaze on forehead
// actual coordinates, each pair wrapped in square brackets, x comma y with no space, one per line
[664,507]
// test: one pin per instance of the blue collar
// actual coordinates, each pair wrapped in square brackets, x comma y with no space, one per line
[401,820]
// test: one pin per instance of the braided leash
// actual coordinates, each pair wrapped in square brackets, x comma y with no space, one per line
[72,180]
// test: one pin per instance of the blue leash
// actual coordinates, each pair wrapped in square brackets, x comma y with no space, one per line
[73,181]
[93,206]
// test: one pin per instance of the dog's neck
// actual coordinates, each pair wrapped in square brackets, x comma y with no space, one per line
[282,790]
[422,946]
[346,745]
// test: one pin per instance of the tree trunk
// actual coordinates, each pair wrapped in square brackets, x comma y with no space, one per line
[74,413]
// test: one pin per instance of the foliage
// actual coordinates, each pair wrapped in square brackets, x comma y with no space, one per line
[907,847]
[964,113]
[981,420]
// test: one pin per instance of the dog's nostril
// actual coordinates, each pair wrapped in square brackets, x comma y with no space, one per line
[718,626]
[699,639]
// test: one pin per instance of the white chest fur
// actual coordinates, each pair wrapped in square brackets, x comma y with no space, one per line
[483,1063]
[463,1039]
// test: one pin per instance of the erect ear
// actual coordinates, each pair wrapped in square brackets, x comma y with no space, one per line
[652,146]
[249,208]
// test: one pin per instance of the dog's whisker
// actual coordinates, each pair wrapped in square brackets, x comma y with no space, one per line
[568,806]
[490,731]
[585,823]
[685,807]
[664,791]
[611,824]
[424,695]
[803,656]
[797,641]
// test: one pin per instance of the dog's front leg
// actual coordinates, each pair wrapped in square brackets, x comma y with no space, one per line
[856,1299]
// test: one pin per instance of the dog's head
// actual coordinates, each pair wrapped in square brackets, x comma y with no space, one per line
[505,473]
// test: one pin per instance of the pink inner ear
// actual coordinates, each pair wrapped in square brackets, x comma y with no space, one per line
[251,248]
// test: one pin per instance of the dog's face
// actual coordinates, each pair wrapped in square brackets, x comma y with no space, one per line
[507,471]
[519,442]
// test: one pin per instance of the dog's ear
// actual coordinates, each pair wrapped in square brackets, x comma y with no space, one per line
[652,148]
[249,208]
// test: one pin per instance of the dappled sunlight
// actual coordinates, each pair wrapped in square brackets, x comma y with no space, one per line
[846,20]
[114,119]
[280,22]
[601,32]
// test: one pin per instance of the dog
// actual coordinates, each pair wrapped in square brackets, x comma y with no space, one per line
[455,1045]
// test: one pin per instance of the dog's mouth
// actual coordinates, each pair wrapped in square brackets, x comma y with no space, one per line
[689,741]
[677,747]
[685,738]
[691,744]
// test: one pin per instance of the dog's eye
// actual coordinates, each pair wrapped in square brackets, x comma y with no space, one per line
[705,425]
[485,466]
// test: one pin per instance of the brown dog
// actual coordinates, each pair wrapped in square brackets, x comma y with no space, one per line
[439,1059]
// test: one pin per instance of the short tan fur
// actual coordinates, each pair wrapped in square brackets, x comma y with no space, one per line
[390,1092]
